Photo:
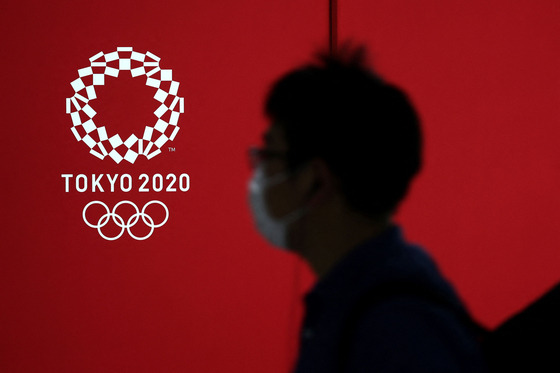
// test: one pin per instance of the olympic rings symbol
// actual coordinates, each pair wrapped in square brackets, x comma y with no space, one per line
[120,221]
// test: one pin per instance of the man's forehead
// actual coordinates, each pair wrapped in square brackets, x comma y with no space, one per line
[274,136]
[267,137]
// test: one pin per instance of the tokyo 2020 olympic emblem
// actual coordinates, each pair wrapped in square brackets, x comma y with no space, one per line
[122,222]
[82,113]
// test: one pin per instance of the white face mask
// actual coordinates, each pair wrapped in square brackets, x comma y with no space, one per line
[274,230]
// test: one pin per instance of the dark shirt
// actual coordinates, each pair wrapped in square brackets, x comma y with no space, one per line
[406,332]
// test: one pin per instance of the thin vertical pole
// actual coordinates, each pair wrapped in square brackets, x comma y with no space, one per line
[333,25]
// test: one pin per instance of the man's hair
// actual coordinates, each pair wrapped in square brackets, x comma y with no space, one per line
[365,129]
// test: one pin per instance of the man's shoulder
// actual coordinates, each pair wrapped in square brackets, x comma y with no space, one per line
[407,315]
[387,306]
[408,332]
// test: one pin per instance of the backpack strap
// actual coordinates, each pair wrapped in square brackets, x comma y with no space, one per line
[528,341]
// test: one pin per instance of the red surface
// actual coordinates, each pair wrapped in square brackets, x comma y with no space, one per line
[485,78]
[205,293]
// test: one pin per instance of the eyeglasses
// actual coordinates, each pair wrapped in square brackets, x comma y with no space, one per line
[258,155]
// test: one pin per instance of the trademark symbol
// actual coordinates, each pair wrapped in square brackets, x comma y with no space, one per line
[171,149]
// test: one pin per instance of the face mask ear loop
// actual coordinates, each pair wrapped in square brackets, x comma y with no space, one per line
[314,189]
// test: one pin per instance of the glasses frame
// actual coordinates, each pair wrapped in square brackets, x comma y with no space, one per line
[257,155]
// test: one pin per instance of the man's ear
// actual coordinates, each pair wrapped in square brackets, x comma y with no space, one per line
[318,183]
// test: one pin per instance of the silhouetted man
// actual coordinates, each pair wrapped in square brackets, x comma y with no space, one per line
[340,152]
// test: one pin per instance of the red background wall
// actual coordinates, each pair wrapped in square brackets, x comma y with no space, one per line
[205,293]
[485,78]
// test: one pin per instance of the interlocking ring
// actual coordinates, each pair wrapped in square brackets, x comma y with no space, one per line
[119,221]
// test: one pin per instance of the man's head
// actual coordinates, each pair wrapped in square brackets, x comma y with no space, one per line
[338,157]
[365,130]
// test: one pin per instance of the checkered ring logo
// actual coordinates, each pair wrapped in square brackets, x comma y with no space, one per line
[82,113]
